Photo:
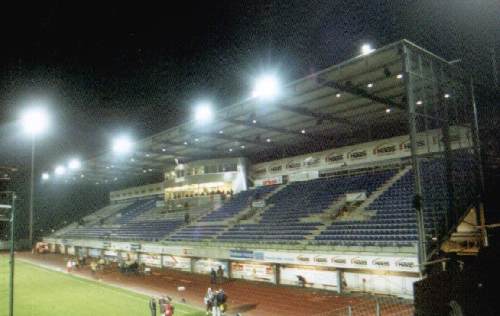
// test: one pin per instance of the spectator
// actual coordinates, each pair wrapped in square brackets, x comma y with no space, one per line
[93,268]
[169,308]
[220,275]
[221,301]
[69,265]
[152,306]
[208,299]
[213,277]
[162,304]
[301,280]
[215,305]
[186,218]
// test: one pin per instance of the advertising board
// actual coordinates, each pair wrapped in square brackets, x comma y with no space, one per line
[175,262]
[206,265]
[386,263]
[151,260]
[321,279]
[253,271]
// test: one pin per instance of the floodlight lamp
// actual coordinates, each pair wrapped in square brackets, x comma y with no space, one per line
[45,176]
[366,49]
[266,87]
[60,170]
[74,164]
[203,112]
[122,145]
[35,121]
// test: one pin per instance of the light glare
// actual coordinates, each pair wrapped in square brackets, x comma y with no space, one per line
[203,113]
[35,121]
[60,170]
[74,164]
[366,49]
[45,176]
[266,87]
[122,145]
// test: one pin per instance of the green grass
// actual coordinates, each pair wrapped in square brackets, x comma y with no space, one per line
[43,292]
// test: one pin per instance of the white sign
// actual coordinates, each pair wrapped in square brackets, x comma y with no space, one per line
[205,266]
[253,271]
[269,181]
[175,262]
[387,263]
[259,204]
[151,260]
[320,279]
[355,196]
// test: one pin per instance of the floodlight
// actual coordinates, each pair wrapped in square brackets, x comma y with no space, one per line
[122,145]
[35,121]
[303,131]
[45,176]
[203,112]
[266,87]
[366,49]
[60,170]
[446,95]
[74,164]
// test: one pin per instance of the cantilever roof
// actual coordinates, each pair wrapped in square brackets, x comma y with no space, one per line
[340,104]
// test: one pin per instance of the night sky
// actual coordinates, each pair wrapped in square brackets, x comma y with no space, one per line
[111,67]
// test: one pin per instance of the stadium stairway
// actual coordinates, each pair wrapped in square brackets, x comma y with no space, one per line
[218,221]
[359,213]
[383,188]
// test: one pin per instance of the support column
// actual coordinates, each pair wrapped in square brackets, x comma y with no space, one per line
[412,116]
[340,275]
[277,274]
[229,270]
[479,161]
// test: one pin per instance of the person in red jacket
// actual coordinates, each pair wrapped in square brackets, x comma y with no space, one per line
[169,308]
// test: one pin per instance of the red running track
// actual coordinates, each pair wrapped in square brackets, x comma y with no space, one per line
[246,297]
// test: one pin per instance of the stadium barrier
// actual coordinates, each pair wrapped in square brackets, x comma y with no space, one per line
[385,306]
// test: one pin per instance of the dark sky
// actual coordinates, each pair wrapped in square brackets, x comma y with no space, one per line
[108,67]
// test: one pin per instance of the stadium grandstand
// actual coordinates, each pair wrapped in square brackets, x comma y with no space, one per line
[355,178]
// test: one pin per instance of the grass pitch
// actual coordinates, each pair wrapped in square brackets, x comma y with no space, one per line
[43,292]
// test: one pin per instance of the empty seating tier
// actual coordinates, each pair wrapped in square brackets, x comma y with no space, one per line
[282,221]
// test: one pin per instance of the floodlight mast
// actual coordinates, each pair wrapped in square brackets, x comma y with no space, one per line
[34,121]
[12,221]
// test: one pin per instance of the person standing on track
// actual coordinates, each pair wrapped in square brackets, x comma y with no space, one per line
[162,302]
[213,277]
[169,308]
[208,299]
[152,306]
[221,301]
[220,275]
[69,265]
